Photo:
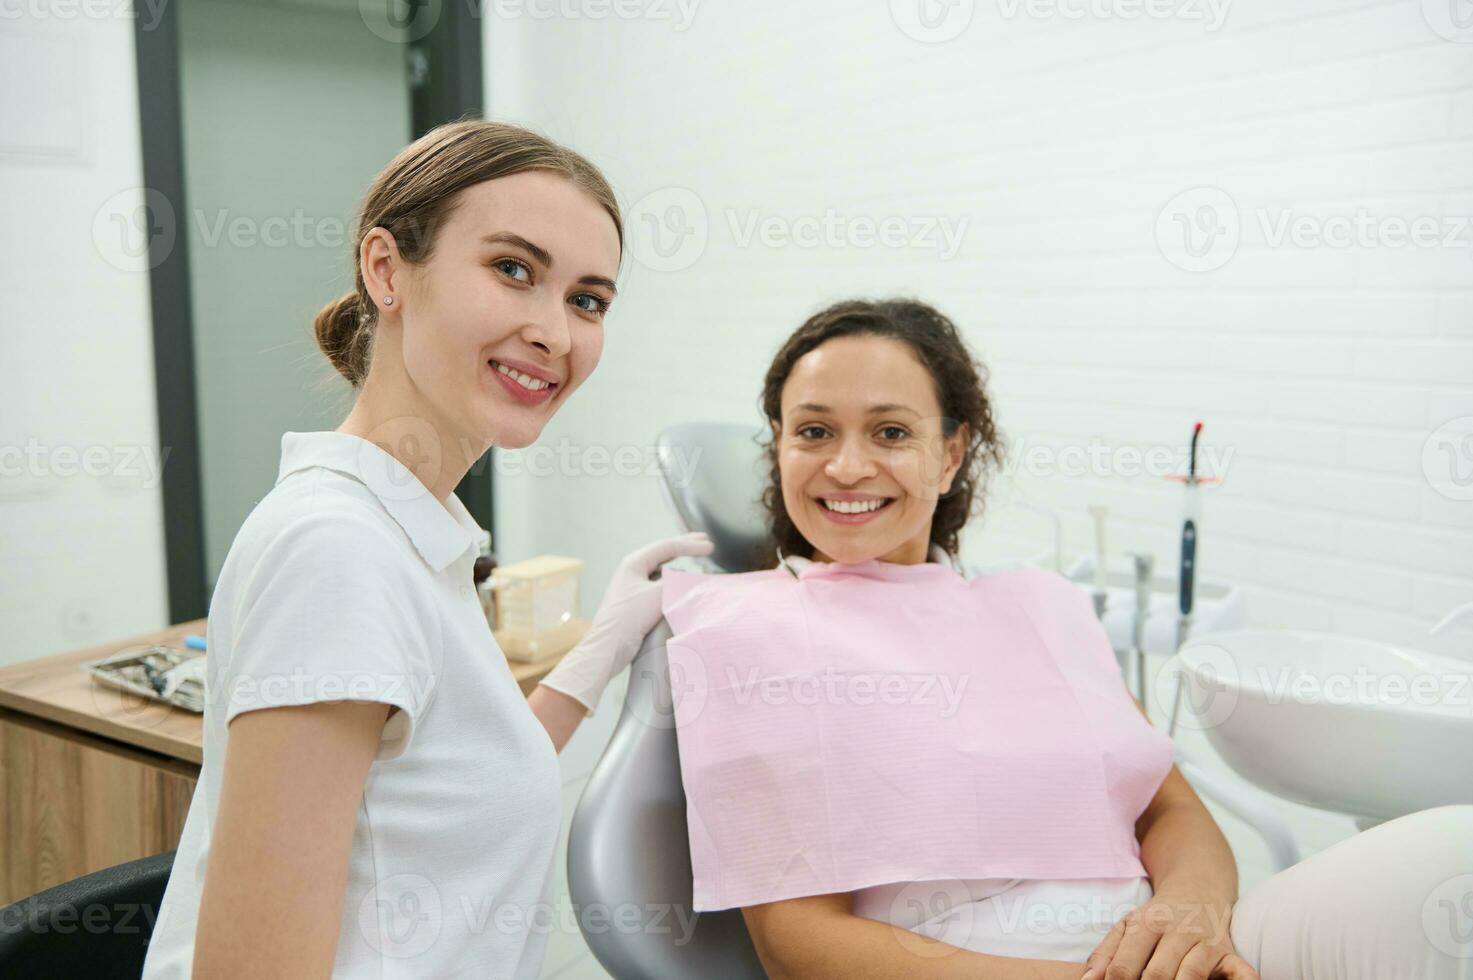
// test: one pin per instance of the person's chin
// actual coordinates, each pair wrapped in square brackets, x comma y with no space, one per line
[848,556]
[844,552]
[515,439]
[515,426]
[519,435]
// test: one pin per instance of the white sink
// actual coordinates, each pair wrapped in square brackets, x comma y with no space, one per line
[1335,722]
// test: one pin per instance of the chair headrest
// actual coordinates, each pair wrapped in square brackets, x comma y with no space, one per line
[712,476]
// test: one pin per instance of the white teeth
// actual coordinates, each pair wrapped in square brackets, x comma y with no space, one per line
[853,506]
[525,380]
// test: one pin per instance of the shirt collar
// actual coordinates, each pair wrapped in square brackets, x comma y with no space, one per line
[440,533]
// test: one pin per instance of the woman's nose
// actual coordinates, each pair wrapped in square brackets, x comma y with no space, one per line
[851,462]
[547,329]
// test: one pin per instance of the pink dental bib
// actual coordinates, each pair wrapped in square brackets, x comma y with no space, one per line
[877,722]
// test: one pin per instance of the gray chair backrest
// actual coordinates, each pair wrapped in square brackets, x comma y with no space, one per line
[627,846]
[712,475]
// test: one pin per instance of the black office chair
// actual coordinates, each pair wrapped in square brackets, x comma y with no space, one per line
[96,926]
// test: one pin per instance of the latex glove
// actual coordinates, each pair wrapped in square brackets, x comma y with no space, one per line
[630,608]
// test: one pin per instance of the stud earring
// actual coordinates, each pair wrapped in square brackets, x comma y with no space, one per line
[388,301]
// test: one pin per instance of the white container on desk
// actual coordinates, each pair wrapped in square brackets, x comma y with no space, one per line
[537,607]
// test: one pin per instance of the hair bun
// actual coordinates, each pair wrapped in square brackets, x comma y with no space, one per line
[338,327]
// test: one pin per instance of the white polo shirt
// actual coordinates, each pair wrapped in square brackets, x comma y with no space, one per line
[349,580]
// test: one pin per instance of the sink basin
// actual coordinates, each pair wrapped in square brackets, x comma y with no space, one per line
[1335,722]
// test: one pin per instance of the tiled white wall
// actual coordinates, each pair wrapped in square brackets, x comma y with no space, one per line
[1335,383]
[1327,376]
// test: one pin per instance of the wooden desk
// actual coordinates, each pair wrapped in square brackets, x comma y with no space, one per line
[92,776]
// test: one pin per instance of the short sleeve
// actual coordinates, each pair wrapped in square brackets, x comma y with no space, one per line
[331,612]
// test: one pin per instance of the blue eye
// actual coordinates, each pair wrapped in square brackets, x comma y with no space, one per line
[596,304]
[510,267]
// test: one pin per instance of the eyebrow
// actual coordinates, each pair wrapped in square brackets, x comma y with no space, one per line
[543,256]
[873,409]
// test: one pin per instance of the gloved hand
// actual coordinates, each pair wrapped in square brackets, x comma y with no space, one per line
[630,608]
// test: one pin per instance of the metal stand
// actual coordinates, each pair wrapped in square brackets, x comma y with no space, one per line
[1143,563]
[1183,629]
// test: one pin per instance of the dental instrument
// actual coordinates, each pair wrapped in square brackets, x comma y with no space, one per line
[1143,566]
[1101,597]
[1191,526]
[1218,606]
[157,671]
[1191,520]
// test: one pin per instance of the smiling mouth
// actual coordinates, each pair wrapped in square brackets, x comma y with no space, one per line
[525,380]
[855,506]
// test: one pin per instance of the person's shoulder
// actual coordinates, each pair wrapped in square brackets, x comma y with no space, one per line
[683,580]
[685,567]
[682,589]
[318,514]
[317,497]
[694,601]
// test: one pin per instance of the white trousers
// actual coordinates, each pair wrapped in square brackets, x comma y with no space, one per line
[1391,903]
[1394,902]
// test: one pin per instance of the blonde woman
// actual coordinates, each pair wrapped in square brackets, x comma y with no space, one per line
[377,797]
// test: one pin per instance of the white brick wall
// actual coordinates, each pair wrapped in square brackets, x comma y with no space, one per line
[1320,372]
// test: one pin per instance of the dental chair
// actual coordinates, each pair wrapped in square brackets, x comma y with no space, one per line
[627,845]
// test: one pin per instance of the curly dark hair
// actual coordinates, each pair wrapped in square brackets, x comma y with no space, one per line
[961,391]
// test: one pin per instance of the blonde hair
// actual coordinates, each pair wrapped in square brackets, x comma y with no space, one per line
[417,192]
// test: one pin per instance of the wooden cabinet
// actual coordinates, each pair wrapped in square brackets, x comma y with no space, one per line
[92,776]
[75,803]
